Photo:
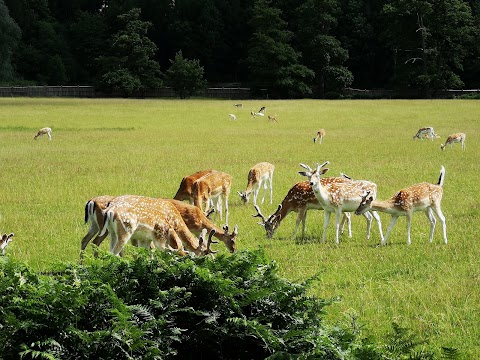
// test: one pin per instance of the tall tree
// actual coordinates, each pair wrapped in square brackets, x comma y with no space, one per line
[322,51]
[430,40]
[273,62]
[130,66]
[10,35]
[185,76]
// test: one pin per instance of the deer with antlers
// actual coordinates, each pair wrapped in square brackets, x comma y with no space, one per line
[260,174]
[300,198]
[44,131]
[213,188]
[320,135]
[146,220]
[455,138]
[420,197]
[338,197]
[4,241]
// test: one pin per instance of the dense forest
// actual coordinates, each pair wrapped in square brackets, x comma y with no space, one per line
[292,48]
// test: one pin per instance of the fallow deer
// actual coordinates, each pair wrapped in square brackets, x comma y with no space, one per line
[426,132]
[232,116]
[300,198]
[420,197]
[213,188]
[337,197]
[455,138]
[320,135]
[260,174]
[4,241]
[184,192]
[44,131]
[145,219]
[272,118]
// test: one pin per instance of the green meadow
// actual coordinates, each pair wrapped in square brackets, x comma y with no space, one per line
[145,147]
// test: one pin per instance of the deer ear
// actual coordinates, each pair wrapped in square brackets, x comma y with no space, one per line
[304,173]
[323,171]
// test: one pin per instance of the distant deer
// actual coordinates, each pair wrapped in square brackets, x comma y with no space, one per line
[260,174]
[420,197]
[272,118]
[426,132]
[455,138]
[319,137]
[232,116]
[44,131]
[5,240]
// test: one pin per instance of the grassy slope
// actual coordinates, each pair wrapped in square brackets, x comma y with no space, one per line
[147,146]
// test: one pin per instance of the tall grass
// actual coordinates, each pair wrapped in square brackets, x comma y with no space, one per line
[146,147]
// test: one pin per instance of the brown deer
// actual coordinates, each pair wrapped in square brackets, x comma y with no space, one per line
[145,219]
[184,192]
[260,174]
[420,197]
[300,198]
[455,138]
[320,135]
[213,188]
[337,197]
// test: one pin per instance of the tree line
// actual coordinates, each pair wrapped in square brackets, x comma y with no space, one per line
[312,48]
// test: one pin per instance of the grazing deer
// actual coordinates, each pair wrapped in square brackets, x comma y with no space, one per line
[238,105]
[184,192]
[420,197]
[44,131]
[319,137]
[5,240]
[338,197]
[260,174]
[262,110]
[196,220]
[272,118]
[455,138]
[426,132]
[213,188]
[147,219]
[255,114]
[232,116]
[300,198]
[94,214]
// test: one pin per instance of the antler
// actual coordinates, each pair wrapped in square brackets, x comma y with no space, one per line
[323,165]
[210,242]
[209,212]
[259,214]
[345,176]
[305,166]
[364,195]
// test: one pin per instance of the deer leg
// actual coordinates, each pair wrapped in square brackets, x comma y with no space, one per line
[438,211]
[408,215]
[390,227]
[265,186]
[94,229]
[98,241]
[368,216]
[302,214]
[325,225]
[379,223]
[432,220]
[122,238]
[338,216]
[346,219]
[226,208]
[271,188]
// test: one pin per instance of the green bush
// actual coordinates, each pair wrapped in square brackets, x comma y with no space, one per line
[161,307]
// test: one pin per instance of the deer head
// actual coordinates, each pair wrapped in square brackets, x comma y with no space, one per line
[364,204]
[244,196]
[272,223]
[230,240]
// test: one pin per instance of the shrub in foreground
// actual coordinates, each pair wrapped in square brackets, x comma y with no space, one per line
[233,307]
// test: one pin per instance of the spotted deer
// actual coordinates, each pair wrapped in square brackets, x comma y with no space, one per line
[272,118]
[146,220]
[424,197]
[337,197]
[213,188]
[300,198]
[260,174]
[5,240]
[184,191]
[455,138]
[319,137]
[426,132]
[44,131]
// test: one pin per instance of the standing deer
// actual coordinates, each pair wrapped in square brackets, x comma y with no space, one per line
[337,197]
[260,174]
[213,188]
[420,197]
[300,198]
[5,240]
[44,131]
[455,138]
[145,220]
[184,192]
[319,137]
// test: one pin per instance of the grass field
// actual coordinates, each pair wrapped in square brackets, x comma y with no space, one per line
[146,146]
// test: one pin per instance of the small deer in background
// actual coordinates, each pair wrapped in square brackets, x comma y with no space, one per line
[260,174]
[5,240]
[455,138]
[426,132]
[232,116]
[319,137]
[272,118]
[238,105]
[44,131]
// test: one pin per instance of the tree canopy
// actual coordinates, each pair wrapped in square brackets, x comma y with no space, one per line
[289,48]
